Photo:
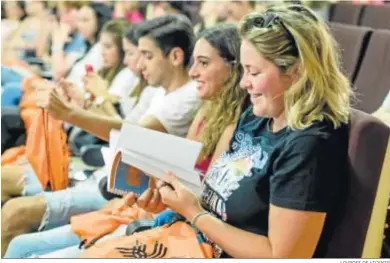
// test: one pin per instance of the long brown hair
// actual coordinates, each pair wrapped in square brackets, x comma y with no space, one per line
[226,108]
[116,28]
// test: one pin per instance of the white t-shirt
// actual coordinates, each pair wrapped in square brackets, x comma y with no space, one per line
[8,27]
[386,103]
[175,110]
[138,110]
[123,83]
[93,57]
[127,103]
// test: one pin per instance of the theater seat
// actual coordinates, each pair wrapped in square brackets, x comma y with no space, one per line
[360,233]
[372,83]
[353,42]
[345,13]
[377,17]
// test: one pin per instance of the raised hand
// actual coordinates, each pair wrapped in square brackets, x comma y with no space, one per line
[55,104]
[74,94]
[96,85]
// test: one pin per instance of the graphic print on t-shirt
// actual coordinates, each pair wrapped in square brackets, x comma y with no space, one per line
[225,175]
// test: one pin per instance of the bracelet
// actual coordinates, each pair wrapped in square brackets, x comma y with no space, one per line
[196,217]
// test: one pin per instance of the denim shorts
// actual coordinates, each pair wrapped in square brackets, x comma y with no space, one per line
[40,243]
[32,185]
[62,205]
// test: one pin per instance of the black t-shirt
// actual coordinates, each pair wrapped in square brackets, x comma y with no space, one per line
[297,169]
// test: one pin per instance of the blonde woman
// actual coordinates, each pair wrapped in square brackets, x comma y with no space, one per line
[279,188]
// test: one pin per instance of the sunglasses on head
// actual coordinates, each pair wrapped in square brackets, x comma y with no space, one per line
[267,20]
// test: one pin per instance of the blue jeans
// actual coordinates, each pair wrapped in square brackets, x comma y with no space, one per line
[69,252]
[11,94]
[32,186]
[35,244]
[73,251]
[11,84]
[8,75]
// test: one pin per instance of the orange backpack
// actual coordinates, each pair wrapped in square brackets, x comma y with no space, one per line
[46,147]
[27,104]
[178,240]
[28,111]
[47,151]
[92,226]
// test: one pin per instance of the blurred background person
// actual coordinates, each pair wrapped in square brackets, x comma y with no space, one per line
[14,13]
[128,10]
[238,9]
[31,38]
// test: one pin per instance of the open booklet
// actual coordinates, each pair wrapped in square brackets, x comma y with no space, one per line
[140,154]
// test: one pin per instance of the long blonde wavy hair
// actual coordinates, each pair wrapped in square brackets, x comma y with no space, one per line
[226,108]
[293,37]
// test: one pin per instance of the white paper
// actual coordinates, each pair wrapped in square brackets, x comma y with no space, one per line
[108,157]
[160,146]
[114,139]
[156,153]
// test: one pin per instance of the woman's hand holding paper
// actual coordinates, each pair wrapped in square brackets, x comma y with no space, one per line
[178,197]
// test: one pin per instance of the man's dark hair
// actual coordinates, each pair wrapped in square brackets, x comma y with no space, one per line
[168,32]
[131,33]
